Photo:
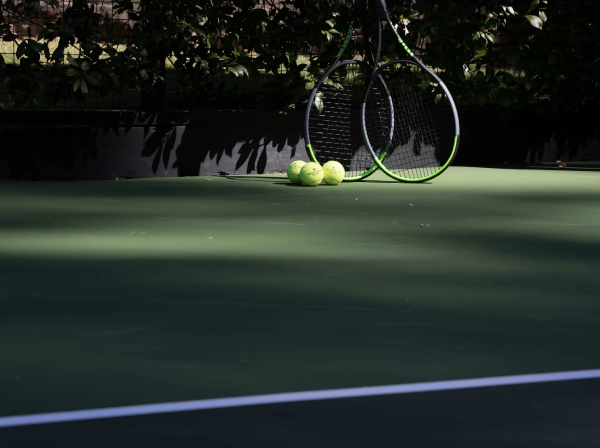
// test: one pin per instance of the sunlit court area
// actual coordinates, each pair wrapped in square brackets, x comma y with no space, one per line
[299,224]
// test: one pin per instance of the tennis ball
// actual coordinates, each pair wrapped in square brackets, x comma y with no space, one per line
[333,172]
[311,174]
[293,171]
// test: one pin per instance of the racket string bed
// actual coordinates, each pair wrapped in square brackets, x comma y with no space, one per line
[329,130]
[422,132]
[335,131]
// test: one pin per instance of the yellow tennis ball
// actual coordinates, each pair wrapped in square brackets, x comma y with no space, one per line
[293,171]
[333,172]
[311,174]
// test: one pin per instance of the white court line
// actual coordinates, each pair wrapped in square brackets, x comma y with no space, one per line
[292,397]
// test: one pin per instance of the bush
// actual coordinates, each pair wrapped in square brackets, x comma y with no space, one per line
[513,54]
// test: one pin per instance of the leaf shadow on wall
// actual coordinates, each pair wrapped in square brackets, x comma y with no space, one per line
[210,149]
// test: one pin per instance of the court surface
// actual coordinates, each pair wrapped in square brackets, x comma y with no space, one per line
[139,292]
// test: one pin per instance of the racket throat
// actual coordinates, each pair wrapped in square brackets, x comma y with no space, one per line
[381,9]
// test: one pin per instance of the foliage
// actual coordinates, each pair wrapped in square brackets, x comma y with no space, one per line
[511,53]
[45,77]
[514,54]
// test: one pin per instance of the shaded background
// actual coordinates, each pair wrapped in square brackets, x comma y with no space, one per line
[78,145]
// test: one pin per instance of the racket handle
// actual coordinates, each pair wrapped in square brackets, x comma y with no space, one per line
[360,7]
[381,8]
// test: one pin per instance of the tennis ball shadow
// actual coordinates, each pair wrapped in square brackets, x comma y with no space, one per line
[288,184]
[394,182]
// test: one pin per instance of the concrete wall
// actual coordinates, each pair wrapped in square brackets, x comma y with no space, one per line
[99,145]
[73,145]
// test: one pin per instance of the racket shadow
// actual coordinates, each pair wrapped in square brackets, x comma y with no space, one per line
[260,178]
[395,182]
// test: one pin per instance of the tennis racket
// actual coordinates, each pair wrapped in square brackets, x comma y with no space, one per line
[332,120]
[409,120]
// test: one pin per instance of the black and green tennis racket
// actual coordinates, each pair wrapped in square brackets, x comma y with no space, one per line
[409,119]
[332,121]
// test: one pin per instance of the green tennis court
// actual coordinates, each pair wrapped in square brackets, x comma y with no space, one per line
[149,291]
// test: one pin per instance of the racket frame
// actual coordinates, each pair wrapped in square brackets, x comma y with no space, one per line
[359,13]
[383,15]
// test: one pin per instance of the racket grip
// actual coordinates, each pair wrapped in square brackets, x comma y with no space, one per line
[360,8]
[381,8]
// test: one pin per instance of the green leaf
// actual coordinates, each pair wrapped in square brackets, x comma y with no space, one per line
[327,35]
[543,16]
[481,52]
[58,53]
[466,72]
[114,79]
[78,21]
[534,21]
[534,4]
[91,79]
[76,84]
[551,57]
[331,23]
[319,103]
[506,98]
[71,60]
[22,99]
[84,87]
[309,85]
[72,72]
[21,49]
[34,45]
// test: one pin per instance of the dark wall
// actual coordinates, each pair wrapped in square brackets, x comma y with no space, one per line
[74,145]
[104,145]
[530,137]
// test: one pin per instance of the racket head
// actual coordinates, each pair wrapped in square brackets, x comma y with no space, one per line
[422,122]
[332,125]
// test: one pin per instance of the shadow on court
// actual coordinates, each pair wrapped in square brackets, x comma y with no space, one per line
[571,166]
[290,184]
[138,292]
[251,178]
[563,414]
